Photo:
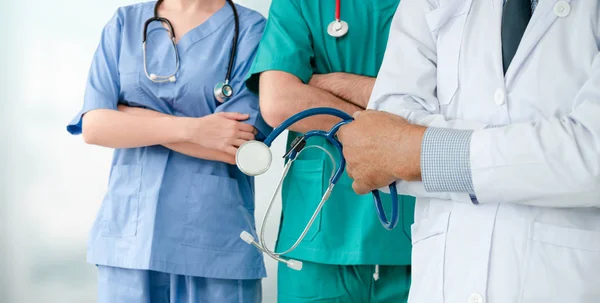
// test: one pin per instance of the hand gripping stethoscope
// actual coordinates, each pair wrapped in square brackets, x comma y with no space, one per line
[253,158]
[338,27]
[222,90]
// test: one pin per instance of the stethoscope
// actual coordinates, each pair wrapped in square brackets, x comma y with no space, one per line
[338,27]
[222,90]
[254,158]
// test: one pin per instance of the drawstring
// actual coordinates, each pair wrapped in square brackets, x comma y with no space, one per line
[376,273]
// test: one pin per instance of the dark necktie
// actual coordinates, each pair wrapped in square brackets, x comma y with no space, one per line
[515,17]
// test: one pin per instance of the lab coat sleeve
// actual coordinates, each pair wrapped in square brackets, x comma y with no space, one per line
[407,81]
[102,88]
[243,100]
[554,162]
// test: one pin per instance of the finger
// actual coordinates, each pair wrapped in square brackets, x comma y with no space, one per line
[255,131]
[245,136]
[239,142]
[232,150]
[245,127]
[356,114]
[360,188]
[340,133]
[350,171]
[235,116]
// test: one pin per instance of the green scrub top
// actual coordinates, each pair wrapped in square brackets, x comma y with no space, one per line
[295,40]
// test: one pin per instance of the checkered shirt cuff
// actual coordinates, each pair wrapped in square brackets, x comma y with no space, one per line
[445,160]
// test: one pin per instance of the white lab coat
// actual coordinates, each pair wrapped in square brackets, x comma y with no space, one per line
[535,236]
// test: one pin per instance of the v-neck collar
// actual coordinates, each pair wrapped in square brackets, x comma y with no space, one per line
[199,32]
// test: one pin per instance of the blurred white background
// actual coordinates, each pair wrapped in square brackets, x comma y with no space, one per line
[51,184]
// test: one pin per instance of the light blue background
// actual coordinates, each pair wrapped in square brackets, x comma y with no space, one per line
[51,184]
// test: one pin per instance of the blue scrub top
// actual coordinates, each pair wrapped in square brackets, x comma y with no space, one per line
[165,211]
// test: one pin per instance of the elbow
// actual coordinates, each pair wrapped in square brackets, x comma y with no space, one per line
[272,110]
[90,129]
[274,101]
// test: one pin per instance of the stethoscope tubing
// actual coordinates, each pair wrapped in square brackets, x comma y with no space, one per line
[331,137]
[335,175]
[169,78]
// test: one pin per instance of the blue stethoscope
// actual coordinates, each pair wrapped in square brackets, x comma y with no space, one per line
[254,158]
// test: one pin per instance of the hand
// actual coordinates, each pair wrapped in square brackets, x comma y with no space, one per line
[352,88]
[221,131]
[317,80]
[380,148]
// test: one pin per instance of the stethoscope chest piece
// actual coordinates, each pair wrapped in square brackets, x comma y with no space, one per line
[253,158]
[337,28]
[223,91]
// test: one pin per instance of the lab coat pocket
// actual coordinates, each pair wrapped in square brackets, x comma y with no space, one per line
[120,209]
[408,214]
[564,265]
[429,249]
[216,215]
[301,193]
[446,24]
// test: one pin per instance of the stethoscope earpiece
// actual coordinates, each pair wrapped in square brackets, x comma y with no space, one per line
[253,158]
[291,263]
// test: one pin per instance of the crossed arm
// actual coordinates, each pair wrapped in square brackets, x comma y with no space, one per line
[283,95]
[214,137]
[186,148]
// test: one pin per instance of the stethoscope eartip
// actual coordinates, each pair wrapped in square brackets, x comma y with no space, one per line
[294,264]
[247,237]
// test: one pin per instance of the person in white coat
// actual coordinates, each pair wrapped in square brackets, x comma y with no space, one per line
[489,113]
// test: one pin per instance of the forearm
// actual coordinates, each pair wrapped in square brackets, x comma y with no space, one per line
[186,148]
[302,98]
[196,151]
[280,101]
[114,129]
[355,89]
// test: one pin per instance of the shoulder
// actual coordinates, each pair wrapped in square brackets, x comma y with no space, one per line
[125,14]
[251,22]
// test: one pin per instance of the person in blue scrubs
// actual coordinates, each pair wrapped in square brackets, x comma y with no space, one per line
[168,228]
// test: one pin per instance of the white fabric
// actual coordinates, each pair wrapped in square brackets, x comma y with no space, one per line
[535,236]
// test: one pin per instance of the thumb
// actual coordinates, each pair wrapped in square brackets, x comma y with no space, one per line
[235,116]
[360,188]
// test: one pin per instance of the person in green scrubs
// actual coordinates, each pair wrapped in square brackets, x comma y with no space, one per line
[348,256]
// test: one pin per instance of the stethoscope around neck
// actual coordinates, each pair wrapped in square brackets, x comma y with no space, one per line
[254,158]
[222,90]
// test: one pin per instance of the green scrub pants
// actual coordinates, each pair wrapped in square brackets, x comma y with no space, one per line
[324,283]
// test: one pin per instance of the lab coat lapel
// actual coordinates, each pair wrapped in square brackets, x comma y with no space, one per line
[540,22]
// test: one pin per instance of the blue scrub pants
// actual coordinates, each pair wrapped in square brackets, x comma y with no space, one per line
[119,285]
